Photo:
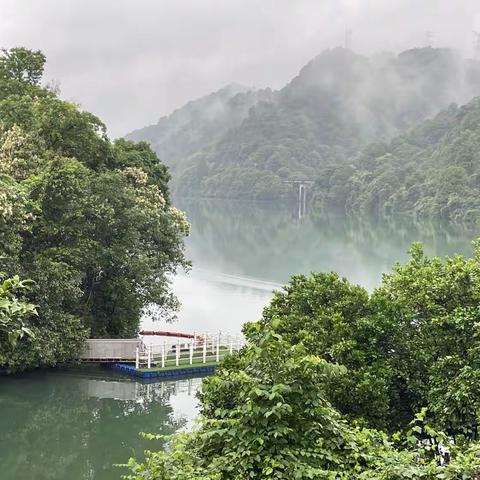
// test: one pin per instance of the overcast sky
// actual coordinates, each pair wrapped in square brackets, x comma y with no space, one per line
[132,61]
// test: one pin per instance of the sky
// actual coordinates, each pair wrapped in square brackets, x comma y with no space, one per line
[132,61]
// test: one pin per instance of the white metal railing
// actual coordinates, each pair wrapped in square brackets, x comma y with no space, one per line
[201,349]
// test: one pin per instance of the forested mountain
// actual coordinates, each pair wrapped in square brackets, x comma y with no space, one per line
[200,123]
[339,102]
[88,221]
[434,170]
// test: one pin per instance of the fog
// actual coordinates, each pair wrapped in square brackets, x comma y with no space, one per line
[131,62]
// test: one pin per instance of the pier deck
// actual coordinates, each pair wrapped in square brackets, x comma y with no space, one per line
[188,355]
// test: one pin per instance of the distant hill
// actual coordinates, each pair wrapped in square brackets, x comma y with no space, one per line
[432,171]
[318,123]
[199,123]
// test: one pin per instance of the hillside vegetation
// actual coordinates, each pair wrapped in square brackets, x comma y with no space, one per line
[200,123]
[434,170]
[315,126]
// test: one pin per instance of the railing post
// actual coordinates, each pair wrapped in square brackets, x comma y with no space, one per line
[218,348]
[137,357]
[194,339]
[149,356]
[204,348]
[163,355]
[231,346]
[191,353]
[177,358]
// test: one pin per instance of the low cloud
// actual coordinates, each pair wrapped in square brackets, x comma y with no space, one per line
[131,62]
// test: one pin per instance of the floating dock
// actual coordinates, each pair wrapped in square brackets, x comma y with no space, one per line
[190,354]
[183,370]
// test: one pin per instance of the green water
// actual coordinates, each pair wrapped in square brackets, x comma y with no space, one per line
[75,424]
[241,251]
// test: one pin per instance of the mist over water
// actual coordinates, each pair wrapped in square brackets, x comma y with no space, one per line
[241,251]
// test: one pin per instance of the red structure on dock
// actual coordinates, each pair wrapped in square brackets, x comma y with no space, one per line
[162,333]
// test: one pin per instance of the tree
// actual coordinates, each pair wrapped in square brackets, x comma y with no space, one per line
[333,319]
[22,65]
[329,124]
[88,220]
[265,415]
[295,402]
[432,307]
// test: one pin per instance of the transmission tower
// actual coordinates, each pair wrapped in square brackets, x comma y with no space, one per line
[429,38]
[476,45]
[348,38]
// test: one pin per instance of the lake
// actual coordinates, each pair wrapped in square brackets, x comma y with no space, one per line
[76,423]
[242,251]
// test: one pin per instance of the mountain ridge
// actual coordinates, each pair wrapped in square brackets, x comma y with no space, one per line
[210,111]
[338,103]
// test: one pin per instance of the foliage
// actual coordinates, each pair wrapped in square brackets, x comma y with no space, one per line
[432,171]
[334,124]
[432,307]
[13,311]
[265,415]
[199,123]
[330,381]
[22,65]
[88,220]
[412,343]
[333,319]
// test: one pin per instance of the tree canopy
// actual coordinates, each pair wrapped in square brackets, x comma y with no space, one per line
[432,171]
[336,383]
[88,220]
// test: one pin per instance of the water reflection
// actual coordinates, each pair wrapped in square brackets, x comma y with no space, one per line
[242,251]
[78,423]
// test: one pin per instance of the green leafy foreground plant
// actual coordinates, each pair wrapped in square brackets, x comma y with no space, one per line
[413,343]
[13,311]
[297,402]
[264,415]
